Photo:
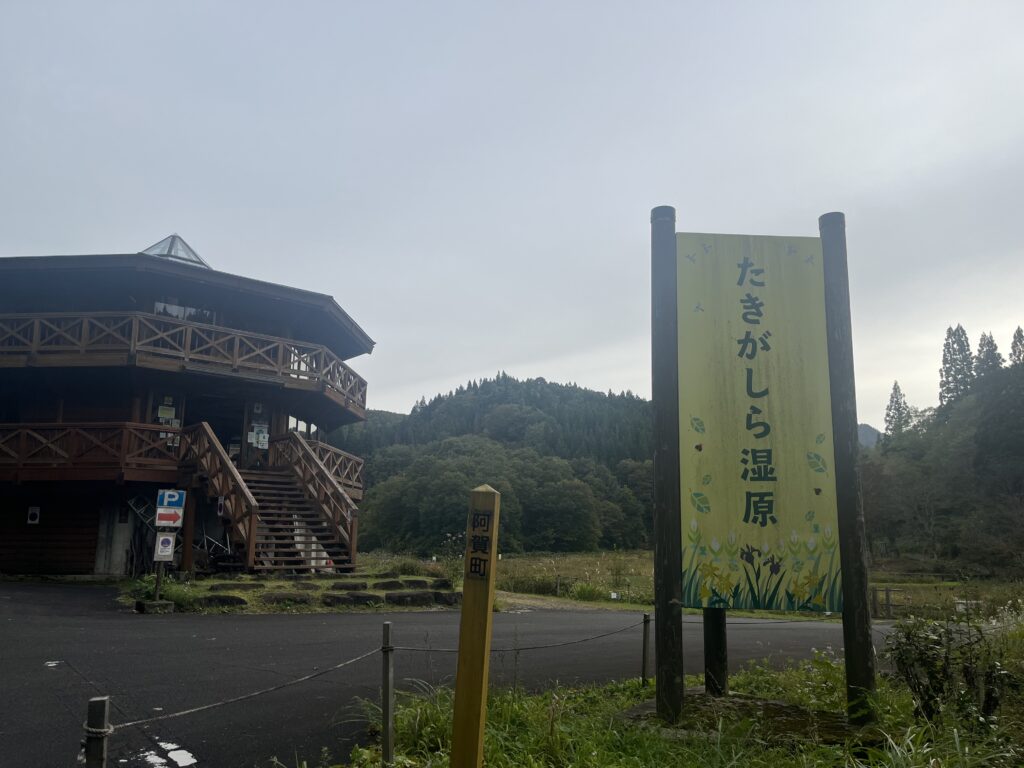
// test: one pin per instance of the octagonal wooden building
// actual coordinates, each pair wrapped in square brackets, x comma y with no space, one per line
[122,374]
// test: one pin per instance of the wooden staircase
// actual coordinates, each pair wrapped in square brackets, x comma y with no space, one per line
[291,532]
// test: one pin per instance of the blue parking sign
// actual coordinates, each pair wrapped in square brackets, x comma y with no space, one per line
[170,498]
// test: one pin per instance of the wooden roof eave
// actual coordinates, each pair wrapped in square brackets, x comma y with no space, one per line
[148,264]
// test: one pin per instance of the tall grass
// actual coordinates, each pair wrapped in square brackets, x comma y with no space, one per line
[585,728]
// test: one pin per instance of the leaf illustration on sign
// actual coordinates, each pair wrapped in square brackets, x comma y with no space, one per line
[697,424]
[816,462]
[820,438]
[706,480]
[700,502]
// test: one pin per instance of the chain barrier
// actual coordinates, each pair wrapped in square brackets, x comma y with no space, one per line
[243,697]
[525,647]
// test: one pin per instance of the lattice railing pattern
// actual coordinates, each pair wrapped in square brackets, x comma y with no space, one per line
[346,468]
[183,340]
[98,445]
[201,449]
[321,487]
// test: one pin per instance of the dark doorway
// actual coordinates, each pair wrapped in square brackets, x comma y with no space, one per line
[225,415]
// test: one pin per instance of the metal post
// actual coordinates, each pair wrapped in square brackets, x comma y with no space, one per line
[859,652]
[159,576]
[668,535]
[387,698]
[97,728]
[716,654]
[647,643]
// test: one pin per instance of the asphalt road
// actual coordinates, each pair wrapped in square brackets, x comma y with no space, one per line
[61,644]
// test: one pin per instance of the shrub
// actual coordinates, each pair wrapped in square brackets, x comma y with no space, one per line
[582,590]
[951,667]
[178,592]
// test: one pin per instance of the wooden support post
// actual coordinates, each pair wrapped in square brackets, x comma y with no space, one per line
[188,533]
[387,698]
[874,601]
[888,602]
[475,628]
[668,536]
[859,651]
[716,653]
[97,728]
[250,541]
[353,537]
[644,654]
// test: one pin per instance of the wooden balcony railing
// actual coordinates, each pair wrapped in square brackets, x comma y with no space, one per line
[334,504]
[101,334]
[121,445]
[346,468]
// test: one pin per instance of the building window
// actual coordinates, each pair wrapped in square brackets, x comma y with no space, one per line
[170,308]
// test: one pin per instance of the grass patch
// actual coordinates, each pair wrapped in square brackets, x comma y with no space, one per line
[585,728]
[188,595]
[182,594]
[629,575]
[382,562]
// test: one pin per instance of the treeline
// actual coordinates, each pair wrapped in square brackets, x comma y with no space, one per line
[947,483]
[944,485]
[553,419]
[573,466]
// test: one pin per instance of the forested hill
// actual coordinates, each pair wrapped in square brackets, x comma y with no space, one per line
[553,419]
[945,486]
[574,466]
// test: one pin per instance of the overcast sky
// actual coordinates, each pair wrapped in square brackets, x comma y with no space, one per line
[472,181]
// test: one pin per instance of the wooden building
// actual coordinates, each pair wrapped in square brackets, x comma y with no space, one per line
[122,374]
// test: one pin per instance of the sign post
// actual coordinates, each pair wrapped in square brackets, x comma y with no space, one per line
[668,563]
[170,509]
[859,653]
[756,333]
[475,628]
[163,553]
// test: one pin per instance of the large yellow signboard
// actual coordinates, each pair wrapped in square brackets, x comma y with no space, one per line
[756,452]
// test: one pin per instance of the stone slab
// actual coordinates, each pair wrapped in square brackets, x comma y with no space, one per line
[220,601]
[348,586]
[410,598]
[280,598]
[154,606]
[239,586]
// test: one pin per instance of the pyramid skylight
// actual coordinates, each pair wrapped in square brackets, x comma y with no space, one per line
[176,249]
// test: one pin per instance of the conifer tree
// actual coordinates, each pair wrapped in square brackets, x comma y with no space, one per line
[957,372]
[897,413]
[1017,347]
[988,358]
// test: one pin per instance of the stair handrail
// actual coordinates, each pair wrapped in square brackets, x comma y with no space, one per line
[199,445]
[319,484]
[345,467]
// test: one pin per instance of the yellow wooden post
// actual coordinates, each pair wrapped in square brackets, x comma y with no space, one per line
[475,628]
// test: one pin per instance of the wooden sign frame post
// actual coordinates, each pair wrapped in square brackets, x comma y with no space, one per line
[475,628]
[859,653]
[668,533]
[668,571]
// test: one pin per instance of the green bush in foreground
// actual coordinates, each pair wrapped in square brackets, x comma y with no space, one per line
[179,593]
[583,728]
